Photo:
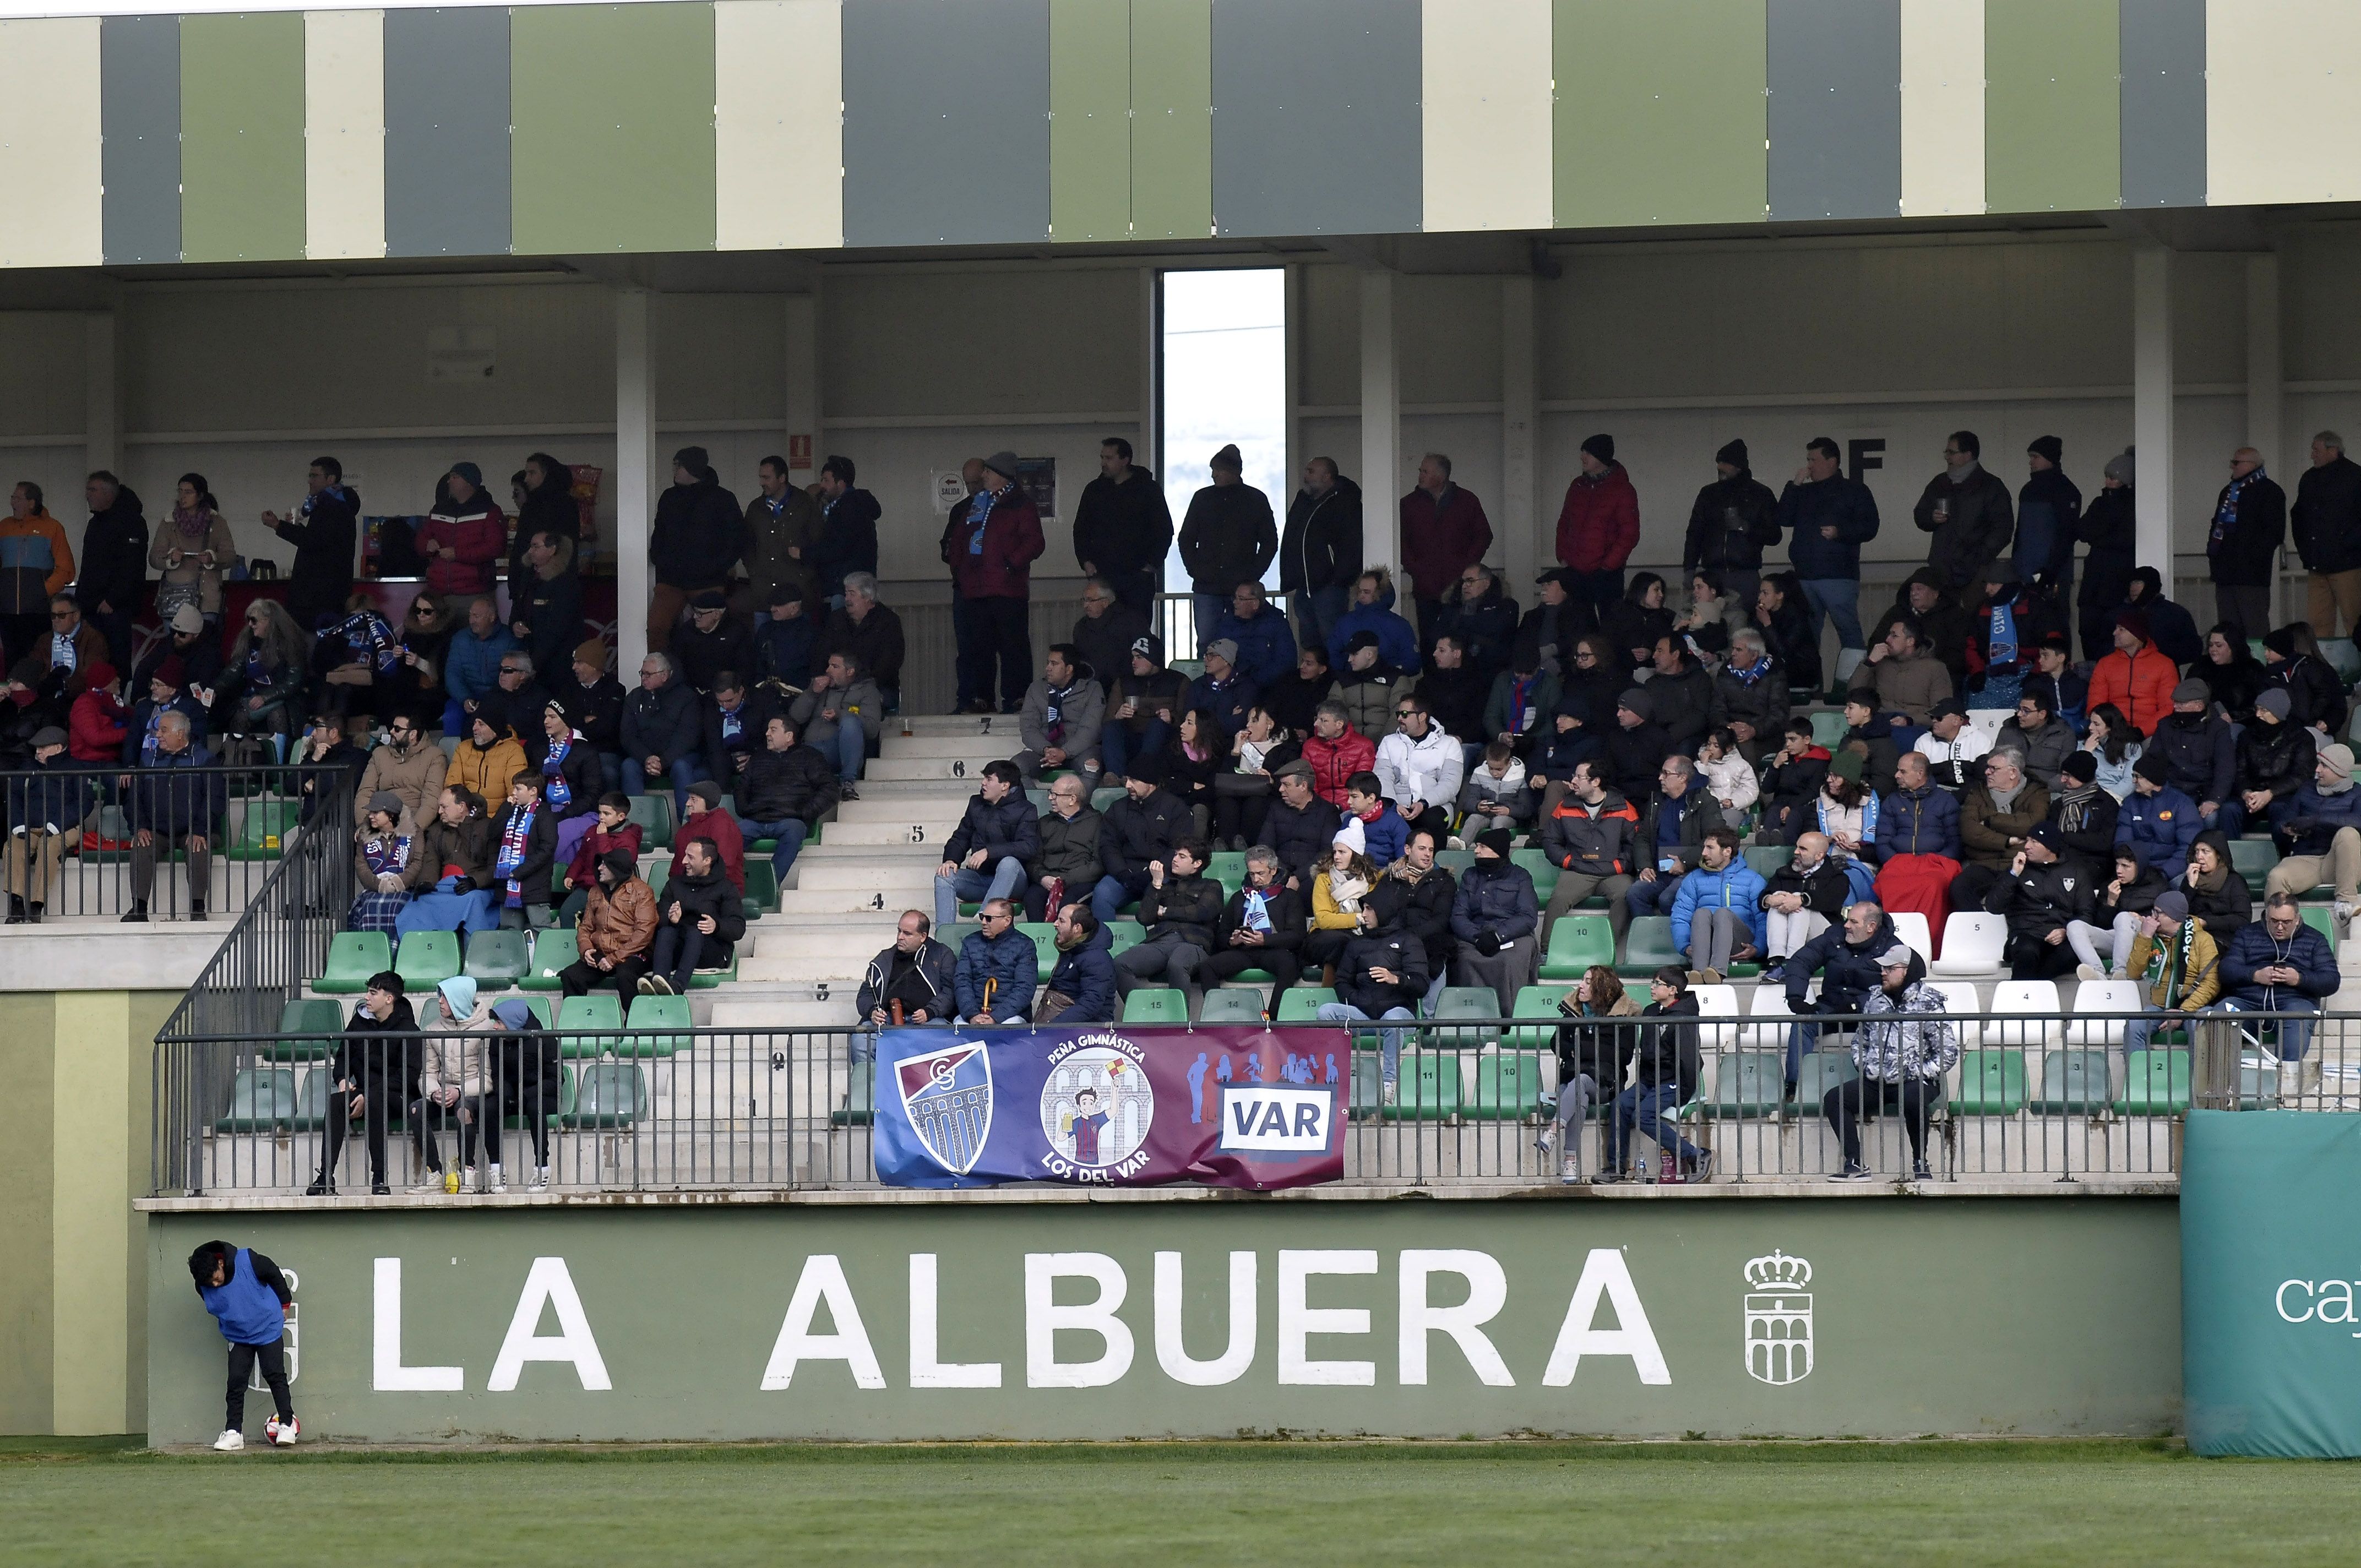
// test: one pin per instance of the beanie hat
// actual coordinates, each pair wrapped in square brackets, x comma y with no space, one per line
[2172,905]
[1601,446]
[2151,767]
[1353,836]
[100,676]
[2049,448]
[1635,699]
[691,459]
[2136,622]
[2192,691]
[469,472]
[1733,454]
[787,593]
[1004,463]
[707,790]
[2120,466]
[2273,702]
[2339,758]
[170,671]
[593,652]
[2079,766]
[188,620]
[622,862]
[2280,642]
[711,598]
[1496,839]
[1226,649]
[1846,765]
[459,991]
[515,1014]
[1360,640]
[1150,648]
[1228,457]
[2044,834]
[1146,769]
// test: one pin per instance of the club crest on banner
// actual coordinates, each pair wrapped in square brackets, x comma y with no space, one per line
[946,1095]
[1097,1106]
[1778,1319]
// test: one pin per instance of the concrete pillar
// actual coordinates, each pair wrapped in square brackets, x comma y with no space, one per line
[801,347]
[1296,456]
[1383,478]
[2152,405]
[101,418]
[1148,447]
[1518,520]
[2266,403]
[637,479]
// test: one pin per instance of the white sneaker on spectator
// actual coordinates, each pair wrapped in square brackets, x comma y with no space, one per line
[1391,1092]
[541,1178]
[2086,971]
[496,1182]
[431,1182]
[280,1433]
[229,1442]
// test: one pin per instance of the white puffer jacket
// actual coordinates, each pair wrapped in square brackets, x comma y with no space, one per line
[1427,770]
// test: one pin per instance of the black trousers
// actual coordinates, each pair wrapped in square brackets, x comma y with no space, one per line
[1968,888]
[1286,968]
[1137,589]
[1852,1102]
[1240,816]
[578,979]
[992,631]
[2030,958]
[679,949]
[242,1358]
[374,1118]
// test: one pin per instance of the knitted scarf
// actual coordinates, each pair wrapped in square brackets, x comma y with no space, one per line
[515,830]
[2074,807]
[556,791]
[195,523]
[2226,512]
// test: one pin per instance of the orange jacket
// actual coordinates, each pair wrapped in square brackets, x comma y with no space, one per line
[36,562]
[2140,684]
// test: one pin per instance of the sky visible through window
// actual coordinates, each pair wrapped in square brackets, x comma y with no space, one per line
[1225,369]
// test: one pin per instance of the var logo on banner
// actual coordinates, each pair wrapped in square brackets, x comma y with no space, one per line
[948,1095]
[1261,1119]
[1778,1319]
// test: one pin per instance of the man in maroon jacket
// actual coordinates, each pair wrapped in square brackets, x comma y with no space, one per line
[1443,532]
[1599,525]
[992,540]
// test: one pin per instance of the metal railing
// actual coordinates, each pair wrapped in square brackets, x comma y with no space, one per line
[81,841]
[2033,1098]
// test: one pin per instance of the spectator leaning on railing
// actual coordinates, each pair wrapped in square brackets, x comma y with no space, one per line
[173,803]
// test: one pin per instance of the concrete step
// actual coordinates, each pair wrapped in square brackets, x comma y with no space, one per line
[867,873]
[927,828]
[931,725]
[839,902]
[910,803]
[772,1014]
[915,770]
[895,795]
[975,747]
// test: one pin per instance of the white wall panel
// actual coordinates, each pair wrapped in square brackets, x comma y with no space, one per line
[50,142]
[344,134]
[778,125]
[1942,106]
[2282,117]
[1485,119]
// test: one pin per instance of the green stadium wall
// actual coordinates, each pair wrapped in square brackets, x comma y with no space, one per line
[903,1319]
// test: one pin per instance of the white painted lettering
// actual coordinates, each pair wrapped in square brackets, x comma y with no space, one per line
[1298,1321]
[2287,1285]
[926,1370]
[1605,1273]
[388,1375]
[1487,1292]
[822,1280]
[549,1285]
[1172,1354]
[1044,1317]
[2337,1293]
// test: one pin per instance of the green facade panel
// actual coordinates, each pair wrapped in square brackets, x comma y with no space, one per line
[1090,121]
[1659,114]
[1172,119]
[242,172]
[2053,134]
[614,142]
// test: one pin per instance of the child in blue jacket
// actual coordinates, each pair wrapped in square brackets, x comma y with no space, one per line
[249,1297]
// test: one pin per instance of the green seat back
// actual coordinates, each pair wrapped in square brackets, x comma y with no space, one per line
[353,957]
[1821,1072]
[2073,1082]
[1456,861]
[607,1095]
[1232,1005]
[1827,726]
[499,957]
[1103,798]
[1045,946]
[1466,1001]
[1227,867]
[1300,1003]
[1129,934]
[655,876]
[426,958]
[859,1107]
[554,948]
[657,1013]
[2156,1083]
[1428,1088]
[1536,1001]
[1746,1084]
[1538,865]
[2253,859]
[761,888]
[1155,1004]
[1992,1083]
[956,934]
[2323,920]
[1369,1079]
[653,812]
[601,1011]
[264,828]
[1508,1087]
[1648,946]
[319,1018]
[1766,858]
[261,1100]
[553,1115]
[1577,942]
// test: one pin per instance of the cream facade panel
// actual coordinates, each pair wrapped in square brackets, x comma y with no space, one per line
[779,124]
[1942,107]
[49,178]
[344,134]
[2283,100]
[1485,92]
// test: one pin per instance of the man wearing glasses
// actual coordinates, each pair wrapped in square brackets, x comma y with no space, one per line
[1265,644]
[406,765]
[55,668]
[1106,631]
[1419,767]
[2036,731]
[998,969]
[2242,544]
[1671,840]
[1484,622]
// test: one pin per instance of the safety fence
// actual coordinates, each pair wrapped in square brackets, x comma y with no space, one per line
[183,842]
[2029,1097]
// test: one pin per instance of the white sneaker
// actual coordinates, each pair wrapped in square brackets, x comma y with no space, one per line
[497,1182]
[541,1178]
[472,1181]
[2087,972]
[1391,1092]
[433,1183]
[229,1442]
[282,1434]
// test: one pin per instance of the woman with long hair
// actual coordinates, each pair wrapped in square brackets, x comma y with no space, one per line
[2230,672]
[1336,896]
[2316,694]
[426,634]
[2115,745]
[1846,810]
[193,549]
[1190,758]
[1242,792]
[1591,1056]
[264,677]
[1785,622]
[1635,621]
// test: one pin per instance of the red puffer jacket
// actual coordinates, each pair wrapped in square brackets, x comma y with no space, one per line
[94,728]
[1000,567]
[1334,762]
[478,534]
[1599,523]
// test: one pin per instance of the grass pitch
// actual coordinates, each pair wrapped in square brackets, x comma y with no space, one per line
[100,1502]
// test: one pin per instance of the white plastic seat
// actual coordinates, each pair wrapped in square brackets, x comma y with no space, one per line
[1768,1032]
[1915,933]
[1962,997]
[2103,1005]
[1973,944]
[1716,1002]
[2027,996]
[1990,719]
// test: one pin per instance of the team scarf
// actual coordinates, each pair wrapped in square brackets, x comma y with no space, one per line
[556,791]
[2168,965]
[2226,512]
[515,829]
[386,852]
[2004,636]
[2074,808]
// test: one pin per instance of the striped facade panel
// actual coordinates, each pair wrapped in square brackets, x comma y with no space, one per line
[1486,113]
[1942,107]
[2282,116]
[1659,116]
[1171,119]
[244,177]
[778,123]
[946,122]
[51,174]
[1090,120]
[140,114]
[613,148]
[2164,104]
[344,134]
[1316,117]
[2053,108]
[1834,67]
[446,132]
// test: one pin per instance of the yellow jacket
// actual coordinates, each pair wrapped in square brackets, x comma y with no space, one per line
[487,772]
[1327,914]
[2200,985]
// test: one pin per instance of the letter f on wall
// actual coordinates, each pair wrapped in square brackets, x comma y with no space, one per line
[388,1375]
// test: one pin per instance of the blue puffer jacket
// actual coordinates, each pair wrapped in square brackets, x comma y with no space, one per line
[1087,975]
[1921,822]
[471,664]
[1737,887]
[2161,827]
[1497,897]
[1011,960]
[2313,818]
[1266,643]
[1838,502]
[1396,643]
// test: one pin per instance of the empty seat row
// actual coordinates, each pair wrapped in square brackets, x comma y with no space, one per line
[593,1096]
[590,1026]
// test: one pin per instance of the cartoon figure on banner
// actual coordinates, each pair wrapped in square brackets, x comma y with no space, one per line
[1097,1106]
[1778,1319]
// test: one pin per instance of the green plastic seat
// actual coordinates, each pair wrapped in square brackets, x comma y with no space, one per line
[2156,1083]
[1038,797]
[2253,859]
[1508,1087]
[2258,1081]
[1456,861]
[1647,947]
[1819,1073]
[655,876]
[1476,1002]
[1767,858]
[657,1013]
[261,1100]
[1368,1081]
[1300,1003]
[606,1094]
[601,1011]
[319,1018]
[762,889]
[1045,946]
[264,830]
[1576,943]
[859,1107]
[1428,1088]
[2072,1083]
[956,934]
[1227,867]
[653,812]
[555,1116]
[1155,1004]
[1746,1084]
[2322,919]
[1125,934]
[1232,1005]
[498,958]
[712,979]
[1103,797]
[353,957]
[554,948]
[1827,726]
[1537,864]
[1536,1001]
[1992,1083]
[427,957]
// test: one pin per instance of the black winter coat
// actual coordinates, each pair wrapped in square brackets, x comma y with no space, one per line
[1851,972]
[1227,538]
[662,723]
[1008,828]
[1599,1044]
[2327,517]
[1667,1052]
[2315,696]
[797,782]
[1302,838]
[2042,899]
[2276,757]
[532,872]
[1455,699]
[113,564]
[1123,530]
[1132,833]
[1389,948]
[2248,554]
[1189,906]
[374,1064]
[1423,909]
[1824,888]
[1496,896]
[1979,521]
[1635,755]
[1731,523]
[1286,908]
[2223,906]
[1321,546]
[2052,492]
[698,896]
[321,573]
[1068,850]
[1487,629]
[698,534]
